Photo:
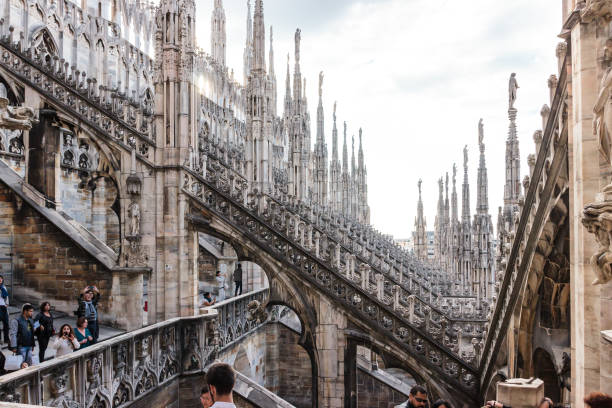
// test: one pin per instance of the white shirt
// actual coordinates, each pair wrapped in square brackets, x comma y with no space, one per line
[220,404]
[64,346]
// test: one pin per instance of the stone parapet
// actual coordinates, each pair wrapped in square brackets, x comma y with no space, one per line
[118,371]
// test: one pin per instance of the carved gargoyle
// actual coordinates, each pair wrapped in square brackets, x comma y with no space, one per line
[14,117]
[256,312]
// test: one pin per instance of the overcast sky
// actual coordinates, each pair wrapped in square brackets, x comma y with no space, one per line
[416,75]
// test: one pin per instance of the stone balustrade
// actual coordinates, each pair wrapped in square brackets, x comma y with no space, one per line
[118,371]
[126,368]
[240,315]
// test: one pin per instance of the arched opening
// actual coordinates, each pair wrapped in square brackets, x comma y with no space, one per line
[546,371]
[235,277]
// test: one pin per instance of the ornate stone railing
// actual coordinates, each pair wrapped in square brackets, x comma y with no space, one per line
[118,371]
[308,230]
[551,154]
[113,116]
[461,313]
[348,283]
[240,315]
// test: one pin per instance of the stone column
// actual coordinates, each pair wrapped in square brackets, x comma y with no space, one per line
[331,344]
[584,185]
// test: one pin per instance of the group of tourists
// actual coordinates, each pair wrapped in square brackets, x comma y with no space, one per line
[217,392]
[23,331]
[418,399]
[210,300]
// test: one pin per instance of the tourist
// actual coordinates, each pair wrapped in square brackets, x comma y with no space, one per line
[416,399]
[205,398]
[220,379]
[22,333]
[88,308]
[82,333]
[220,285]
[4,316]
[45,329]
[66,342]
[598,400]
[208,300]
[441,404]
[238,280]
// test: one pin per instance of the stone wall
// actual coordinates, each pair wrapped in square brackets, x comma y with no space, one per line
[272,357]
[288,366]
[47,264]
[373,393]
[91,205]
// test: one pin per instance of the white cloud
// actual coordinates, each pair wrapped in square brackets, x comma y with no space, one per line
[416,75]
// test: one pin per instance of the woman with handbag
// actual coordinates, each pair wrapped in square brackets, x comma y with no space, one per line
[45,329]
[66,341]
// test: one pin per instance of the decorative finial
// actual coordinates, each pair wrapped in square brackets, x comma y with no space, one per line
[465,157]
[454,173]
[419,184]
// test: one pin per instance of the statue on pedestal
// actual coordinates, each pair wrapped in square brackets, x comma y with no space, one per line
[512,89]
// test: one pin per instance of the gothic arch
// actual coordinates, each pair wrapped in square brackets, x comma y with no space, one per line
[394,358]
[43,42]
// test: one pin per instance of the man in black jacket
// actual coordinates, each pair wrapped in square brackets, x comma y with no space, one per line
[22,334]
[238,280]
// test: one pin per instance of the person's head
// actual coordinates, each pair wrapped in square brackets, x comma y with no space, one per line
[546,403]
[27,310]
[598,400]
[88,295]
[45,306]
[82,322]
[441,404]
[207,295]
[218,273]
[65,330]
[1,279]
[418,396]
[205,398]
[220,379]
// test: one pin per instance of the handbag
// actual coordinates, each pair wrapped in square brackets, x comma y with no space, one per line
[13,362]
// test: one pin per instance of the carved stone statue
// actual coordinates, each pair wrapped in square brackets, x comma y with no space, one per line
[419,184]
[480,132]
[512,88]
[134,214]
[465,156]
[14,117]
[602,120]
[321,86]
[298,38]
